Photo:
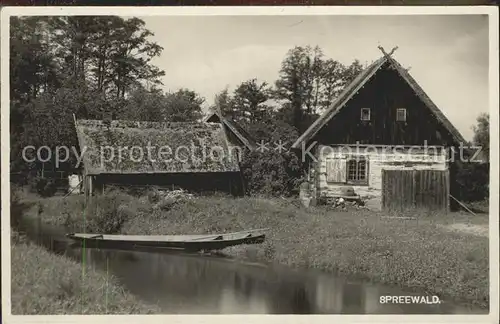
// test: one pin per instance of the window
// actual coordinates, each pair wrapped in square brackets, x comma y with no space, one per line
[365,113]
[357,171]
[353,170]
[401,114]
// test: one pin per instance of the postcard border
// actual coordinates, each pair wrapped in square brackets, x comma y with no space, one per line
[491,11]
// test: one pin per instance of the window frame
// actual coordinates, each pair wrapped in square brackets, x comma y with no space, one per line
[398,110]
[357,160]
[369,114]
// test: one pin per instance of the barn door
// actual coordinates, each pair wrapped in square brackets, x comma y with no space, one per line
[415,189]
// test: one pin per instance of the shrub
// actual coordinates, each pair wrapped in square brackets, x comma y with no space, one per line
[15,205]
[153,195]
[107,213]
[271,173]
[471,182]
[43,186]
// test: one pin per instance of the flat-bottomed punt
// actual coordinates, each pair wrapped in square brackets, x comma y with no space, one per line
[198,242]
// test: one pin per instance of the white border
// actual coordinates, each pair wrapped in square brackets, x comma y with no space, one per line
[491,11]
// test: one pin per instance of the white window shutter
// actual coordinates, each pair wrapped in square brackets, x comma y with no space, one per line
[336,170]
[342,170]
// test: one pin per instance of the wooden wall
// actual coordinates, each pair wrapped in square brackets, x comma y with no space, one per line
[378,159]
[383,94]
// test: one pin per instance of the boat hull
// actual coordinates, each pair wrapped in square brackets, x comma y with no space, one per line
[199,243]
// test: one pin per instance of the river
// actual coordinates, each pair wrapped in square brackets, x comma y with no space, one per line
[193,284]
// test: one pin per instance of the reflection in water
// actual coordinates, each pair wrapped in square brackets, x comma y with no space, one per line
[194,284]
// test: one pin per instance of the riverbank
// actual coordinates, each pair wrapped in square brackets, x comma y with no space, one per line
[427,255]
[44,283]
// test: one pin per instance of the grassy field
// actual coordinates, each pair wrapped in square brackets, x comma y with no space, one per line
[434,254]
[47,284]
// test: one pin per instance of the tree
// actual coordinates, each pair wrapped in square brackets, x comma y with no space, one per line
[308,83]
[183,106]
[482,133]
[298,81]
[273,171]
[224,104]
[81,65]
[110,53]
[143,104]
[32,67]
[248,100]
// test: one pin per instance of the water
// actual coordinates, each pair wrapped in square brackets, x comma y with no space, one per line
[193,284]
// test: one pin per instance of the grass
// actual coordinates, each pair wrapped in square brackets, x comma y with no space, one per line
[44,283]
[420,254]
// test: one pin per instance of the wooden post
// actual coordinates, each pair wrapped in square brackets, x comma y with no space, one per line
[463,205]
[90,179]
[414,184]
[447,198]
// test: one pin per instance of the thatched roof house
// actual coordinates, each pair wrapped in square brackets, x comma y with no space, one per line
[385,140]
[191,155]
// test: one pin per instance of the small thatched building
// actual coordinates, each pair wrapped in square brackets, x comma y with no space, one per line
[191,155]
[236,134]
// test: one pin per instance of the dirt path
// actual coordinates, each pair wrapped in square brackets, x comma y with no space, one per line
[471,229]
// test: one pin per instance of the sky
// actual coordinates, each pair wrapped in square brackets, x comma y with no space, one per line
[447,55]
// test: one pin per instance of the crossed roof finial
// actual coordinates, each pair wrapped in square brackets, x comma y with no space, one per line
[385,53]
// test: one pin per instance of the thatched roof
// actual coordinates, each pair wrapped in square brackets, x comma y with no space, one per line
[358,83]
[186,147]
[243,136]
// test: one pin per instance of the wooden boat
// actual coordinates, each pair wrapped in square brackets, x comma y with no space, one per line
[184,242]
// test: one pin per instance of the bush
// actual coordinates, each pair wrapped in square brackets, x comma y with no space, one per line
[107,213]
[153,195]
[269,172]
[471,182]
[43,186]
[14,205]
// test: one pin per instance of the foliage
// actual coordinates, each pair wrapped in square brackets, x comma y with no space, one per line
[183,105]
[482,133]
[248,100]
[224,104]
[16,205]
[89,66]
[472,179]
[472,182]
[271,172]
[43,186]
[100,214]
[106,214]
[308,83]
